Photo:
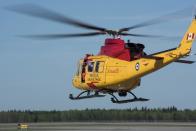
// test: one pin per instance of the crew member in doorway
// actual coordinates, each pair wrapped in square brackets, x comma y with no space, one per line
[83,74]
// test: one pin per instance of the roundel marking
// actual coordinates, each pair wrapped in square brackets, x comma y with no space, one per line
[137,66]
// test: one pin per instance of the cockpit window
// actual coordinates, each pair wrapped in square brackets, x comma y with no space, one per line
[90,66]
[99,66]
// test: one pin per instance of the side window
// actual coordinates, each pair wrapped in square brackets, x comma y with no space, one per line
[90,66]
[99,66]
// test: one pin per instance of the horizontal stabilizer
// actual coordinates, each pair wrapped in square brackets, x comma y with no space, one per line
[190,55]
[185,61]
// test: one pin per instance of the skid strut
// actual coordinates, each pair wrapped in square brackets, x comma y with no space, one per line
[88,95]
[114,99]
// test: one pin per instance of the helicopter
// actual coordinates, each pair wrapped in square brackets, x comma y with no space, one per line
[119,65]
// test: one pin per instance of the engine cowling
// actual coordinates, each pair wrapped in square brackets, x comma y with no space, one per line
[117,48]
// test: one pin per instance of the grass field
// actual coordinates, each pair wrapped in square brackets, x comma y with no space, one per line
[94,126]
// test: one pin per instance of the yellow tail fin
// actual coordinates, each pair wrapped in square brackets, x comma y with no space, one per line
[188,39]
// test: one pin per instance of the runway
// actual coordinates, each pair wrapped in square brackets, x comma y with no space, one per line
[101,126]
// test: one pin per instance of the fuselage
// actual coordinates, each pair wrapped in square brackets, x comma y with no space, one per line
[107,73]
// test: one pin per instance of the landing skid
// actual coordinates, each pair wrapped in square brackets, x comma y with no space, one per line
[114,99]
[128,100]
[88,95]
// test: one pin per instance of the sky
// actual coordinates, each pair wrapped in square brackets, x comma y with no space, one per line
[37,74]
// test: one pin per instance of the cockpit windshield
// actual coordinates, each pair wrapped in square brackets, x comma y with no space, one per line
[79,69]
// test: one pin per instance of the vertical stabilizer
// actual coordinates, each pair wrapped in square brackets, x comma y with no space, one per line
[188,39]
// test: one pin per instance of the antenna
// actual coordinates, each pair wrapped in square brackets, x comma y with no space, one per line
[194,11]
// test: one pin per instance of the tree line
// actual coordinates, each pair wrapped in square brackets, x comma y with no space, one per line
[171,114]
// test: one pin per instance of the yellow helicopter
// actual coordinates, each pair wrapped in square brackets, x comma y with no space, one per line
[120,65]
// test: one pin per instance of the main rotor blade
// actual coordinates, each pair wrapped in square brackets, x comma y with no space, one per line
[180,14]
[150,36]
[40,12]
[60,36]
